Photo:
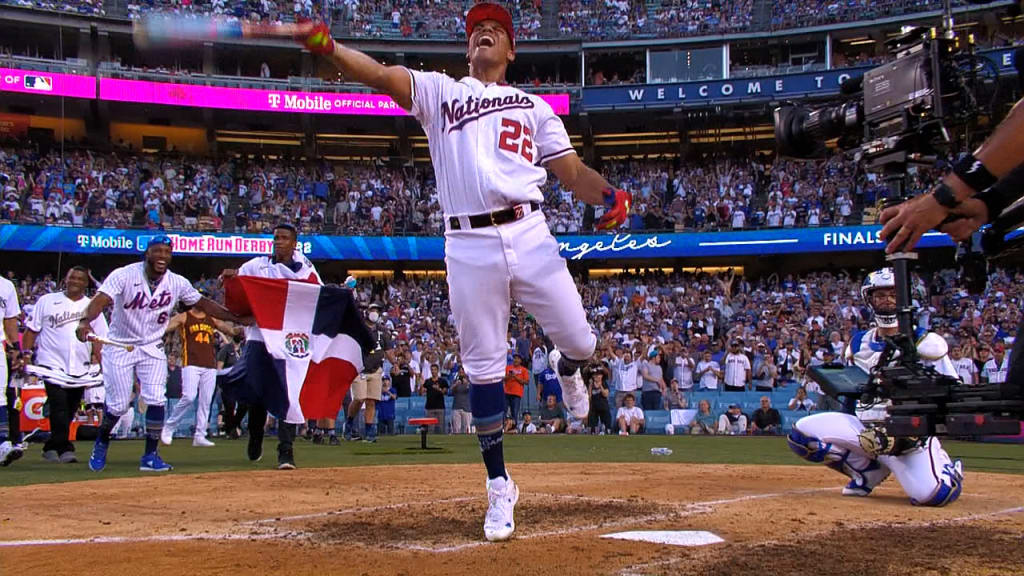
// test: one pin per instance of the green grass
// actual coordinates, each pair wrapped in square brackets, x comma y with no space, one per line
[229,456]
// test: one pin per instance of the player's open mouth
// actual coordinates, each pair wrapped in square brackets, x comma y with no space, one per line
[485,40]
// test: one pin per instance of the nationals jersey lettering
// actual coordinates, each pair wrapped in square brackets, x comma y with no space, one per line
[488,142]
[140,314]
[54,318]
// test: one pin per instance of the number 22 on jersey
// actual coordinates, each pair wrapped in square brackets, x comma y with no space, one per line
[516,138]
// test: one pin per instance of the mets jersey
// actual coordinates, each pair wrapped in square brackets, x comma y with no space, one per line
[488,142]
[55,318]
[140,314]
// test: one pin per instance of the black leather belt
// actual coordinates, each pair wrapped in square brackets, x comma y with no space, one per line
[496,218]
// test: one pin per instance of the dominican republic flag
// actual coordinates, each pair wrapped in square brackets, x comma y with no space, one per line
[306,351]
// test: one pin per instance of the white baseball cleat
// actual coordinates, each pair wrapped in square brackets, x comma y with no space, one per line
[574,392]
[201,441]
[9,453]
[166,436]
[502,495]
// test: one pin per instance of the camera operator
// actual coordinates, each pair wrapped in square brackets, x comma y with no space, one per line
[980,187]
[960,192]
[865,453]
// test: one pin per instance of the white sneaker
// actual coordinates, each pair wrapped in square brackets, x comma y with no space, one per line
[574,392]
[500,523]
[166,436]
[202,442]
[9,453]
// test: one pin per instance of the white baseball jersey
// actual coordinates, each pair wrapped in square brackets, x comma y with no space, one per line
[54,318]
[140,314]
[265,267]
[966,370]
[488,142]
[9,307]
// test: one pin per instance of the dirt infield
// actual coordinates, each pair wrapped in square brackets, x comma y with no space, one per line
[424,520]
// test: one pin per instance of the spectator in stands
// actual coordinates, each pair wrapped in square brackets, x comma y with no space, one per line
[733,422]
[527,426]
[766,420]
[386,407]
[600,411]
[516,379]
[629,417]
[653,382]
[461,414]
[627,376]
[965,367]
[704,422]
[552,416]
[737,368]
[801,401]
[547,385]
[996,369]
[764,371]
[435,388]
[709,372]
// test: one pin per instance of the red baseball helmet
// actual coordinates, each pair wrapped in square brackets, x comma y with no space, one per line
[490,11]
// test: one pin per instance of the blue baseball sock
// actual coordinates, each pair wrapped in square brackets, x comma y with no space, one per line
[3,424]
[371,430]
[154,424]
[487,402]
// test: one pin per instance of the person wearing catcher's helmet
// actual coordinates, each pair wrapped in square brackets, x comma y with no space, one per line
[491,145]
[856,445]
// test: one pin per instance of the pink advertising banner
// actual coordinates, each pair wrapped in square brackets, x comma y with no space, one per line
[47,83]
[266,100]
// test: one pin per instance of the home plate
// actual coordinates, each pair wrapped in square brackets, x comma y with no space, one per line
[673,537]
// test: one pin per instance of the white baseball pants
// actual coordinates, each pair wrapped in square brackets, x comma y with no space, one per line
[121,368]
[487,267]
[196,383]
[924,473]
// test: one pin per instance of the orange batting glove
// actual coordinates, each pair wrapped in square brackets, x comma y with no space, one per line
[617,203]
[315,37]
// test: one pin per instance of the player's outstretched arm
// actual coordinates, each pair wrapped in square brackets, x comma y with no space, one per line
[590,187]
[355,65]
[175,323]
[95,308]
[217,311]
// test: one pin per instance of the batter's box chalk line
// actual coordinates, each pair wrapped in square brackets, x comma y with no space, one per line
[264,529]
[645,568]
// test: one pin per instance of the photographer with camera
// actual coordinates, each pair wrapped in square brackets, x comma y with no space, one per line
[864,453]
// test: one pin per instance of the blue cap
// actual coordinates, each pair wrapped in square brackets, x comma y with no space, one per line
[163,239]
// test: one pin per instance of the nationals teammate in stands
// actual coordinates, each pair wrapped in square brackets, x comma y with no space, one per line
[198,372]
[144,296]
[490,144]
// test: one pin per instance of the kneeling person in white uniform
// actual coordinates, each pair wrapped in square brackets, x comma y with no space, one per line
[143,296]
[843,442]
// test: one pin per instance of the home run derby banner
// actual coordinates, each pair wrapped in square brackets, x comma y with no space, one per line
[306,351]
[431,248]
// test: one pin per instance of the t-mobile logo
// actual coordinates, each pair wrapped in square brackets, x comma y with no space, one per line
[275,100]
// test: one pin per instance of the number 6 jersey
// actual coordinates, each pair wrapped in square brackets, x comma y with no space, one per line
[140,314]
[488,142]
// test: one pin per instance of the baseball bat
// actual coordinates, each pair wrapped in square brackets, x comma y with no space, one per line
[109,342]
[169,30]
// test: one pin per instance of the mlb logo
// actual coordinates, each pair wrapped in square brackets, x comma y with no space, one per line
[39,83]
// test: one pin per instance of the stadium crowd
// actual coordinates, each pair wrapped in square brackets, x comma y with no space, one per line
[174,192]
[665,338]
[585,19]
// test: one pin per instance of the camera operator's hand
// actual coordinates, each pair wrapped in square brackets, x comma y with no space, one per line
[903,225]
[973,215]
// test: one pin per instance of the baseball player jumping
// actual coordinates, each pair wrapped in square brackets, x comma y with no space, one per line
[864,453]
[51,332]
[143,296]
[490,144]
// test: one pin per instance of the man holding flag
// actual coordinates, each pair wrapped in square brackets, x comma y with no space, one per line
[303,352]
